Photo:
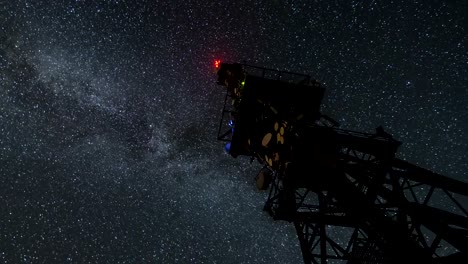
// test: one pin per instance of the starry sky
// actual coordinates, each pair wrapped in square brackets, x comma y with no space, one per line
[109,113]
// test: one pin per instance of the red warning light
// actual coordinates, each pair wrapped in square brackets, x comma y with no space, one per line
[217,63]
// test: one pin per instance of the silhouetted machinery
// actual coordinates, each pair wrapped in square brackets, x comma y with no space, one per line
[350,199]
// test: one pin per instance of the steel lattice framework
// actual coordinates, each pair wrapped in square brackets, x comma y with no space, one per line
[350,199]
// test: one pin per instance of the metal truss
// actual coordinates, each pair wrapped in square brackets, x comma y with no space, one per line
[374,209]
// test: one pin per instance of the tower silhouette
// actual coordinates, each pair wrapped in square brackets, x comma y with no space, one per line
[350,199]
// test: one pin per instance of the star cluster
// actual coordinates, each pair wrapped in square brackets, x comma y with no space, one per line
[109,112]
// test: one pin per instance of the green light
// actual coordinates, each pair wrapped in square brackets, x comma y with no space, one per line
[243,82]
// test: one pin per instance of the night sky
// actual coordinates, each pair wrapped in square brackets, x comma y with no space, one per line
[109,114]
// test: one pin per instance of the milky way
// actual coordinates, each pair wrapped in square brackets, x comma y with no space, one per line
[109,112]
